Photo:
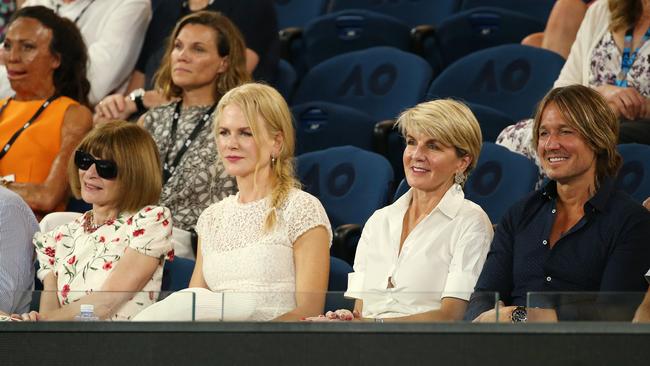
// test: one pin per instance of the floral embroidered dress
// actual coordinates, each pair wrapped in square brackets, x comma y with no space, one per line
[594,60]
[83,261]
[240,256]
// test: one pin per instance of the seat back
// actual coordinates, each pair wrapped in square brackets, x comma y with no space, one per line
[537,9]
[286,79]
[296,13]
[350,30]
[510,78]
[501,178]
[381,81]
[338,283]
[411,12]
[479,28]
[351,183]
[492,122]
[177,274]
[402,188]
[320,125]
[634,176]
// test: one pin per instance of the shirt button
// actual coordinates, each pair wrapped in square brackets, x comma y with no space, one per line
[553,211]
[548,279]
[544,242]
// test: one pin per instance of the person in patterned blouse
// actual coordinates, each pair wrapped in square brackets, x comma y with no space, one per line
[112,256]
[203,60]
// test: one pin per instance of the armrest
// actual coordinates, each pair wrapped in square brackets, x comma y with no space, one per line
[424,42]
[380,136]
[344,245]
[287,37]
[418,35]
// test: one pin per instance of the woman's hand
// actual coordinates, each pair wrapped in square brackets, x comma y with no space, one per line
[112,107]
[32,316]
[626,102]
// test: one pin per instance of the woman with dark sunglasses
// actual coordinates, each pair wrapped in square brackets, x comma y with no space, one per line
[41,124]
[112,256]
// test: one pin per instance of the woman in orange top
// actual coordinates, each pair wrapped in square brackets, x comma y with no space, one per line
[47,117]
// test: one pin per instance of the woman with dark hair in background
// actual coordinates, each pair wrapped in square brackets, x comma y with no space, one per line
[41,124]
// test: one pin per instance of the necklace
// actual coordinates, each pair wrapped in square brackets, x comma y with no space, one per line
[89,222]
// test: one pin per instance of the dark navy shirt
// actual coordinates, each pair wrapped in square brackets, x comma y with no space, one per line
[607,250]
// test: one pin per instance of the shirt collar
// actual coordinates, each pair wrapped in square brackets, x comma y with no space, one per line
[598,201]
[449,205]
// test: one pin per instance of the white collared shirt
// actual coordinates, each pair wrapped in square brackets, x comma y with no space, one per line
[441,257]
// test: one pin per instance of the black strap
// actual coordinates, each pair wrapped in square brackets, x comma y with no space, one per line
[58,7]
[168,169]
[31,121]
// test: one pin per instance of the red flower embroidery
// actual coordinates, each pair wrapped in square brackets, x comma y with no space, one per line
[170,255]
[151,295]
[50,252]
[138,232]
[108,265]
[115,240]
[159,216]
[51,261]
[129,221]
[165,222]
[65,290]
[58,237]
[102,239]
[110,222]
[147,209]
[72,260]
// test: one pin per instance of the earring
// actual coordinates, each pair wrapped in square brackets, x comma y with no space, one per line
[272,160]
[459,179]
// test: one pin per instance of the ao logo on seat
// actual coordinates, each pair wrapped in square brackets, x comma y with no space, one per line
[338,182]
[513,78]
[381,81]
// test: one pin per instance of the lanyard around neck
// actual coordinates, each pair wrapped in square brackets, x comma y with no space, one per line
[16,134]
[168,169]
[627,59]
[81,13]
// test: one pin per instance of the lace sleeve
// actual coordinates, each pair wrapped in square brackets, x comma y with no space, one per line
[305,212]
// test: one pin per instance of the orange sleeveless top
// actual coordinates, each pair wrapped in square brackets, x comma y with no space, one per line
[32,154]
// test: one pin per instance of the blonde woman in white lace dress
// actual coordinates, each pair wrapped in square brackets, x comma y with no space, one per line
[271,239]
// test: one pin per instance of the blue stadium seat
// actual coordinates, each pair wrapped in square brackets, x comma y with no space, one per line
[320,125]
[345,31]
[338,283]
[296,13]
[538,9]
[286,79]
[412,12]
[351,183]
[634,176]
[381,81]
[501,178]
[402,188]
[479,28]
[510,78]
[177,274]
[492,122]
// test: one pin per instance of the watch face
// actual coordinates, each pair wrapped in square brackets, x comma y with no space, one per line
[519,315]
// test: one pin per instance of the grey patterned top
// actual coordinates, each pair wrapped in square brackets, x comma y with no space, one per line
[199,179]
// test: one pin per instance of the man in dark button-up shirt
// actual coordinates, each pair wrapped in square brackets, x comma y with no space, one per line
[578,233]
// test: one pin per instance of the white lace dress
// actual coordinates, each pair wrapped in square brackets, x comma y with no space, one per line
[239,256]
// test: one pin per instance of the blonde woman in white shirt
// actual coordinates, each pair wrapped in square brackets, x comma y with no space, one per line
[419,258]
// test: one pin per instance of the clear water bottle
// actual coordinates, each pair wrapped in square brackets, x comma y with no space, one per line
[86,314]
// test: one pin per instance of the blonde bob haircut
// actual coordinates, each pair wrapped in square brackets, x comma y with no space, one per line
[447,121]
[586,111]
[230,46]
[267,114]
[139,174]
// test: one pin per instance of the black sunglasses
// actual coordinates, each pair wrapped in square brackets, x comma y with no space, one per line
[106,169]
